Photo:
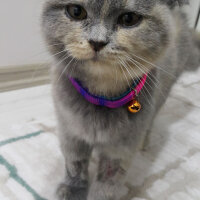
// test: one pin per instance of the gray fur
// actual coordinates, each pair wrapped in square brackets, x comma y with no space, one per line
[162,38]
[173,3]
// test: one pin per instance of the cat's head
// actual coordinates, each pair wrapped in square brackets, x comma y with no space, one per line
[109,30]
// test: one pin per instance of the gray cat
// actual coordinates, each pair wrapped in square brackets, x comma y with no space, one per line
[107,45]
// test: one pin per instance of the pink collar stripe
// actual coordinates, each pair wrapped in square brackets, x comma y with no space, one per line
[99,101]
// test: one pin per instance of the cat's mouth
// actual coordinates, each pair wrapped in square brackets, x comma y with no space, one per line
[104,56]
[97,57]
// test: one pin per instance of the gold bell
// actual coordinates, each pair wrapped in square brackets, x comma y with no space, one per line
[134,106]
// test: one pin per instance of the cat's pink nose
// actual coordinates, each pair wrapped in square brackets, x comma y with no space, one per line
[97,45]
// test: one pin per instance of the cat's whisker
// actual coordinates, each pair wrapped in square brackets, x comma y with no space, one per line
[146,69]
[144,95]
[153,65]
[56,44]
[146,81]
[121,66]
[65,69]
[44,51]
[59,52]
[124,65]
[73,67]
[33,76]
[116,75]
[133,61]
[66,56]
[150,73]
[144,86]
[151,77]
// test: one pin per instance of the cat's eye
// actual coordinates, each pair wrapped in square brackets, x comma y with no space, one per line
[76,12]
[129,19]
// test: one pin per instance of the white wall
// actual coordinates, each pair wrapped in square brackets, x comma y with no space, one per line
[20,37]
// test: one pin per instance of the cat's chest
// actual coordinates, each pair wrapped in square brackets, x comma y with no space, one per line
[100,125]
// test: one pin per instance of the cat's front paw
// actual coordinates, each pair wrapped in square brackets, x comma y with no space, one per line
[66,192]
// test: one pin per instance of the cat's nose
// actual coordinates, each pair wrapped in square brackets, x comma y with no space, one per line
[97,45]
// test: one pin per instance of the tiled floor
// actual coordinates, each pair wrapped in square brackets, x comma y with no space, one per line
[31,164]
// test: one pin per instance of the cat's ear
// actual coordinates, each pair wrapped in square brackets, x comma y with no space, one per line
[173,3]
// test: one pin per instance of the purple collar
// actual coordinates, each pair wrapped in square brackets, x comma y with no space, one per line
[113,103]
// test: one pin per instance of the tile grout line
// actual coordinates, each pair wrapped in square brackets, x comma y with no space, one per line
[12,140]
[13,170]
[13,174]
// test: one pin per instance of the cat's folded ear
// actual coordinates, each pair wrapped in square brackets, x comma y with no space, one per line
[173,3]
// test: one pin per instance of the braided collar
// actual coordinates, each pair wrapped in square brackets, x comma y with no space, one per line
[115,102]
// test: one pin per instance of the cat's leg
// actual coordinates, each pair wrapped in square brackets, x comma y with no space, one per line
[113,165]
[77,154]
